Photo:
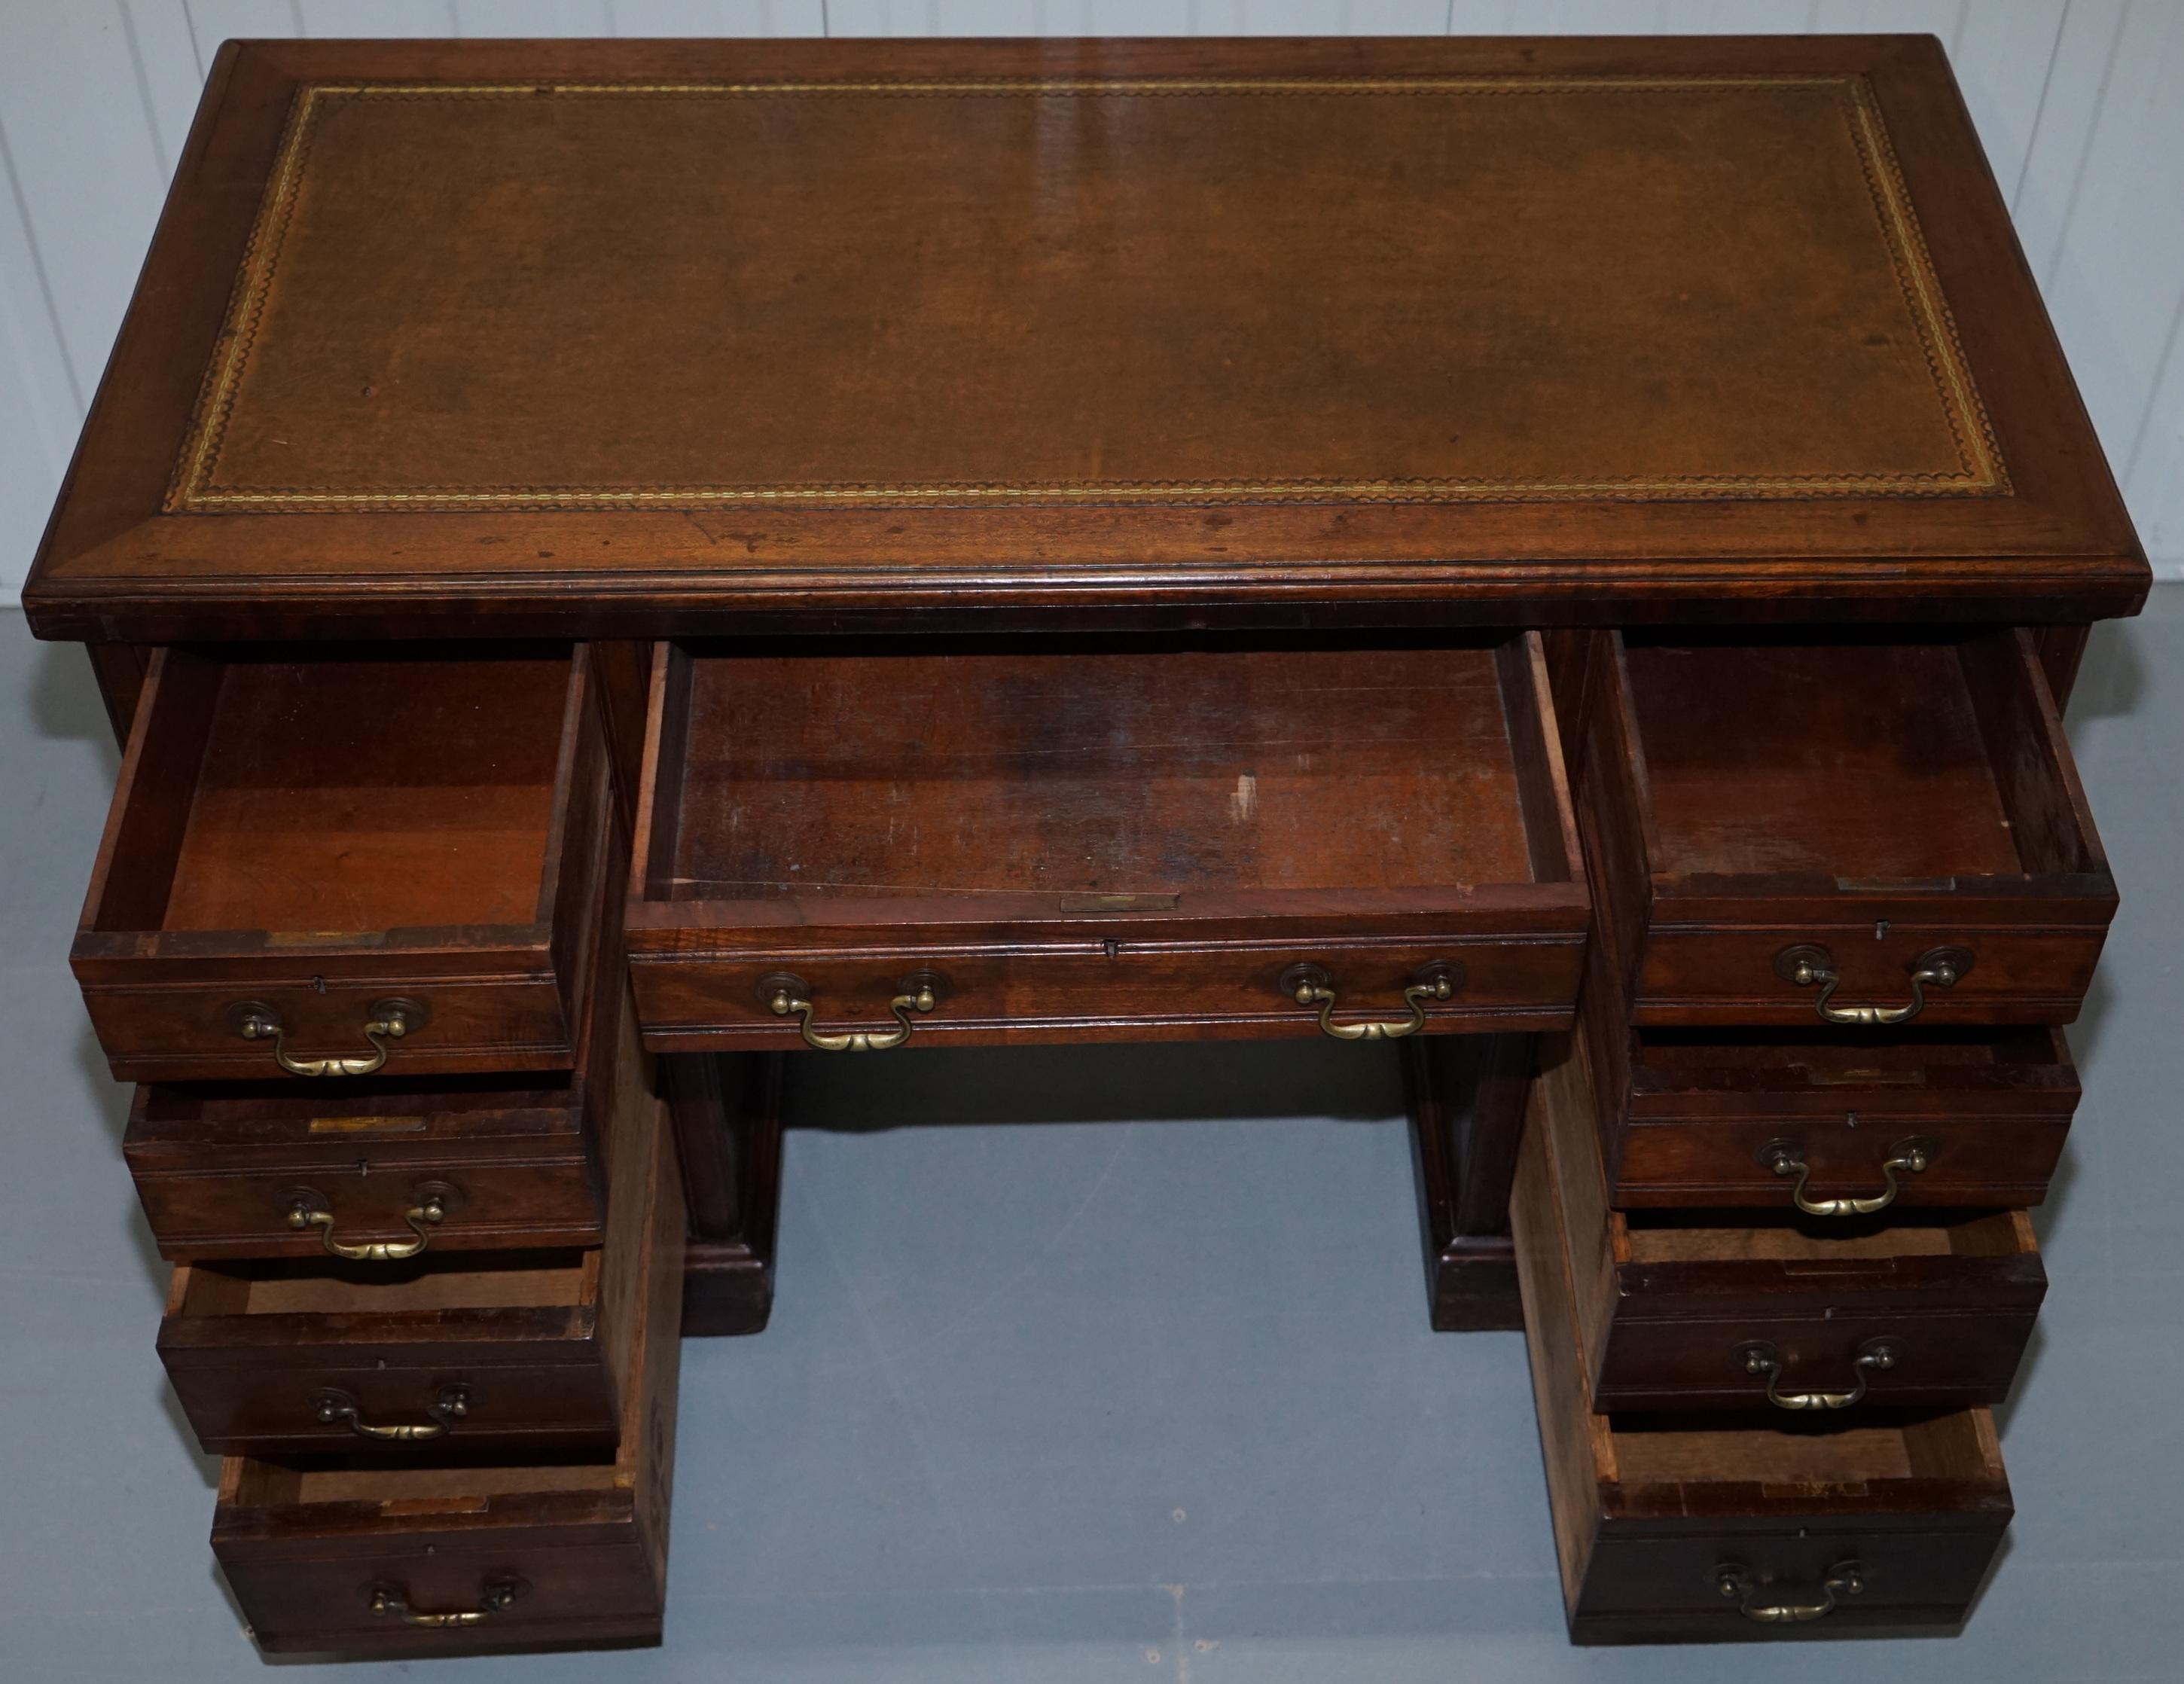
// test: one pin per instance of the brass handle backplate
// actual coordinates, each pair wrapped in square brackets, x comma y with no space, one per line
[387,1020]
[1760,1359]
[787,995]
[308,1208]
[1311,986]
[392,1601]
[1808,967]
[1787,1159]
[1735,1582]
[449,1405]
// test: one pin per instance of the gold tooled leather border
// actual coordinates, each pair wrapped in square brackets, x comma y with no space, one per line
[1981,469]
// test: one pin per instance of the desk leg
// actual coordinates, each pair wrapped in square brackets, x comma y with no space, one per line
[726,1112]
[1466,1096]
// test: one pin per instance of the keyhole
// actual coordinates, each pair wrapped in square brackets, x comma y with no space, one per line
[1880,929]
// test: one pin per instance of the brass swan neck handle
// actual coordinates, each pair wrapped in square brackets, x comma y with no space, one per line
[1805,966]
[1311,986]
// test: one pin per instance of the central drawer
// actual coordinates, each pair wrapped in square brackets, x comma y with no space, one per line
[854,844]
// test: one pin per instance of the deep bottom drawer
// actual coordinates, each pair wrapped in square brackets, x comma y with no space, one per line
[384,1560]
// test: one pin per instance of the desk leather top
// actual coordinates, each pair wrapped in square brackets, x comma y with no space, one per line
[637,338]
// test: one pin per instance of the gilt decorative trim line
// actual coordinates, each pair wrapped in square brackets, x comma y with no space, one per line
[1981,471]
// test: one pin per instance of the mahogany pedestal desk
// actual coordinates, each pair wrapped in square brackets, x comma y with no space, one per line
[618,565]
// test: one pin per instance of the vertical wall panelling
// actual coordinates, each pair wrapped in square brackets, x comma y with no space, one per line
[718,17]
[2077,81]
[38,404]
[2075,100]
[2115,280]
[2000,55]
[169,70]
[532,17]
[1748,17]
[213,21]
[384,17]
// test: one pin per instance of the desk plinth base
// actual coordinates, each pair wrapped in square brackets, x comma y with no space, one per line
[726,1109]
[1466,1097]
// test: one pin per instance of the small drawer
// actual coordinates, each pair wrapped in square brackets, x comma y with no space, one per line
[321,863]
[847,846]
[444,1355]
[295,1169]
[1759,1310]
[1688,1528]
[355,1559]
[1796,1118]
[1855,830]
[228,1170]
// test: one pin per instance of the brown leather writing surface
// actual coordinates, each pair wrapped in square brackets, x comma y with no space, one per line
[1241,287]
[613,336]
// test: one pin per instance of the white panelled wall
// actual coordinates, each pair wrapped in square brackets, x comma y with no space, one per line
[2080,103]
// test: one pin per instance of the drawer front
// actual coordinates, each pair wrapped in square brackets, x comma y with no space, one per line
[191,1031]
[524,1588]
[1767,1163]
[1741,970]
[322,864]
[1853,1268]
[1118,989]
[490,1203]
[1813,1364]
[450,1408]
[1723,1585]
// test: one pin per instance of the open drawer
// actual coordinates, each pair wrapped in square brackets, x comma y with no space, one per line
[1804,1118]
[319,862]
[1680,1528]
[1715,1309]
[1859,830]
[344,1559]
[1018,839]
[448,1356]
[302,1170]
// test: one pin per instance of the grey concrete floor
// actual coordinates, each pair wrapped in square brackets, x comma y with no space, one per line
[1106,1363]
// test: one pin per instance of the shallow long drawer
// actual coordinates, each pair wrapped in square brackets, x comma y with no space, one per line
[850,847]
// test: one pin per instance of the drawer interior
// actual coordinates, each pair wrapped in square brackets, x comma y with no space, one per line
[478,1280]
[1125,767]
[1672,1450]
[363,1111]
[285,790]
[1869,759]
[1658,1236]
[418,1491]
[1822,1058]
